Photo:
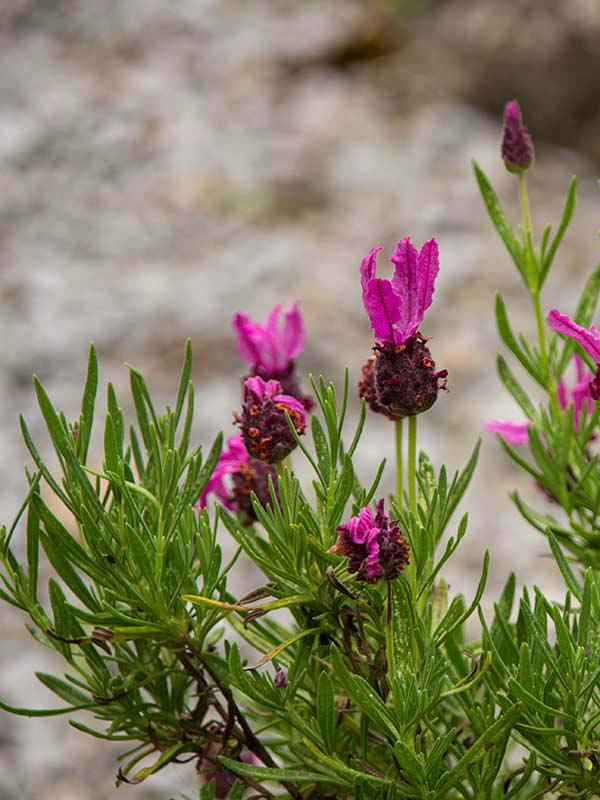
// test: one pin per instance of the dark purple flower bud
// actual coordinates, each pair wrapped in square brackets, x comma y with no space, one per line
[265,431]
[403,378]
[374,546]
[281,679]
[517,147]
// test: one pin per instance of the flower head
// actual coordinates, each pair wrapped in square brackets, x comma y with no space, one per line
[589,339]
[265,431]
[270,349]
[396,308]
[235,477]
[517,147]
[374,546]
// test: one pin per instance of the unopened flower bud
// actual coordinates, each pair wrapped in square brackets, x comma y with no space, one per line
[281,679]
[517,147]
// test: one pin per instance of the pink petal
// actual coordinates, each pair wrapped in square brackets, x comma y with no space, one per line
[251,339]
[271,334]
[429,266]
[373,563]
[291,403]
[381,304]
[259,387]
[406,286]
[359,527]
[588,339]
[515,433]
[368,268]
[292,337]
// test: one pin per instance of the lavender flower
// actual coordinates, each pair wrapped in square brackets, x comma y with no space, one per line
[236,476]
[264,426]
[517,147]
[400,380]
[589,339]
[374,546]
[270,349]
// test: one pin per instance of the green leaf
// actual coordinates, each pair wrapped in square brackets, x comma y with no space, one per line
[88,402]
[275,774]
[507,336]
[184,381]
[365,697]
[515,389]
[326,711]
[571,581]
[321,449]
[564,224]
[66,691]
[490,737]
[533,702]
[500,221]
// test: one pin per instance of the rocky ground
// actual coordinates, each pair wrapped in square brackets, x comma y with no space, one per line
[164,165]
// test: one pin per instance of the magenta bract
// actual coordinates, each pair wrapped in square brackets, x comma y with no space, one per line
[271,347]
[396,308]
[236,477]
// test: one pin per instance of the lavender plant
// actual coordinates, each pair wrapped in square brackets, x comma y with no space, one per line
[369,687]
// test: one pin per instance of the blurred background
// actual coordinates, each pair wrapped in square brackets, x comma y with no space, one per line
[164,164]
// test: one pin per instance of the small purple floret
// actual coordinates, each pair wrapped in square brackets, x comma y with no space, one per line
[374,546]
[265,431]
[517,146]
[396,308]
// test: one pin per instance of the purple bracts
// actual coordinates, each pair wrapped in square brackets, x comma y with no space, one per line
[374,546]
[265,431]
[396,308]
[234,479]
[580,396]
[588,338]
[517,147]
[270,349]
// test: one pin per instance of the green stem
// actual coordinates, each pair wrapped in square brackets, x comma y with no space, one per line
[530,261]
[541,334]
[412,463]
[399,464]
